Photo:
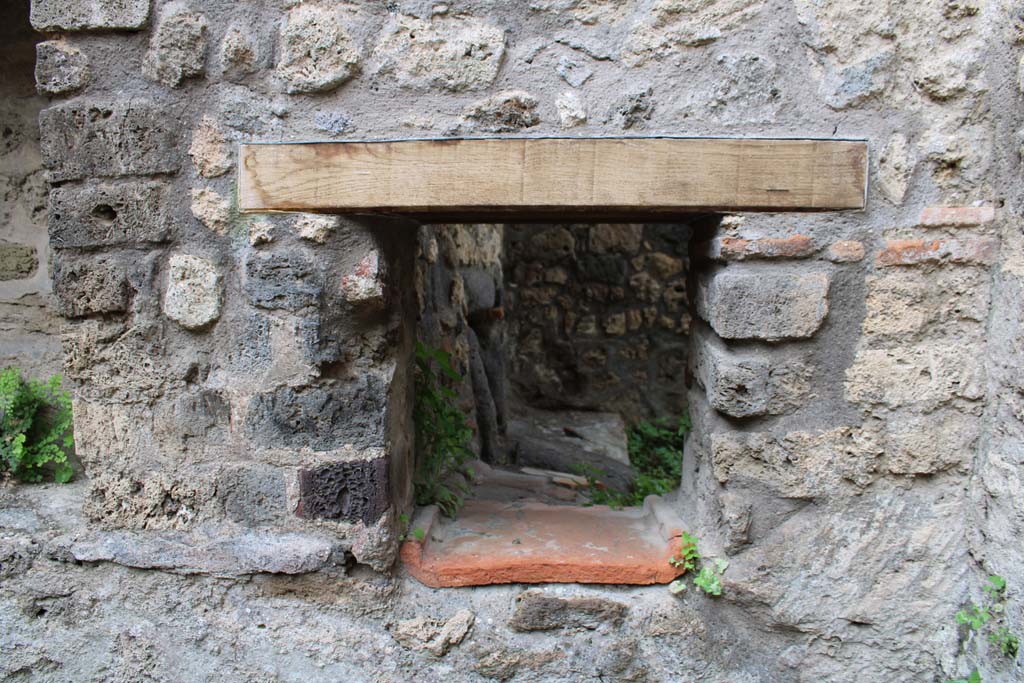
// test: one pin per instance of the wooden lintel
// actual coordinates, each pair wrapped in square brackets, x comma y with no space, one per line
[548,176]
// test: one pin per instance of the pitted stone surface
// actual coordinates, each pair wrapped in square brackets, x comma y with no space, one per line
[763,304]
[212,209]
[86,287]
[317,53]
[178,48]
[538,610]
[282,280]
[78,15]
[365,285]
[354,491]
[452,54]
[748,383]
[108,215]
[211,154]
[107,139]
[323,417]
[60,68]
[504,112]
[316,228]
[194,291]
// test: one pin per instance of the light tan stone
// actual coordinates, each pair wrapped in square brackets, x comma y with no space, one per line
[211,209]
[210,151]
[922,376]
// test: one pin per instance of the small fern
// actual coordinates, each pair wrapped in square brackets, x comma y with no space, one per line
[442,435]
[35,427]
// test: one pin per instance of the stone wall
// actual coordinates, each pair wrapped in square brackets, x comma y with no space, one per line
[599,317]
[242,381]
[29,326]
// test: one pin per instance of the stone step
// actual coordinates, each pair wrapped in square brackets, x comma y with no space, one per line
[529,542]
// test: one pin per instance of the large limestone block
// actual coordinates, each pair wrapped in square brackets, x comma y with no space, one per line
[85,139]
[757,304]
[79,15]
[923,376]
[108,215]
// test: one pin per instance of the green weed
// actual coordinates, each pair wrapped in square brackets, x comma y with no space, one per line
[442,435]
[35,427]
[656,455]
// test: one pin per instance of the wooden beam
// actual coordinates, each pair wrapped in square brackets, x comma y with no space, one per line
[547,176]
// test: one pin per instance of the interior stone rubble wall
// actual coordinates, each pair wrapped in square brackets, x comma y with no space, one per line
[242,381]
[599,317]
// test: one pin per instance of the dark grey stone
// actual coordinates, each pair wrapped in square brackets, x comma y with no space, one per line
[481,290]
[486,413]
[87,287]
[108,139]
[322,417]
[535,610]
[352,491]
[253,495]
[285,280]
[609,269]
[108,215]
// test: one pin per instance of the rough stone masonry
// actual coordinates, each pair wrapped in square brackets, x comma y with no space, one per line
[242,382]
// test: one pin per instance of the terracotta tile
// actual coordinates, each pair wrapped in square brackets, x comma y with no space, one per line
[527,542]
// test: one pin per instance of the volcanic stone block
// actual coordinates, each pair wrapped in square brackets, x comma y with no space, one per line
[17,261]
[107,139]
[86,287]
[60,68]
[128,214]
[352,491]
[322,418]
[284,280]
[755,304]
[79,15]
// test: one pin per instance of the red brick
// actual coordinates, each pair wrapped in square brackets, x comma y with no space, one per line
[910,252]
[739,249]
[845,251]
[957,216]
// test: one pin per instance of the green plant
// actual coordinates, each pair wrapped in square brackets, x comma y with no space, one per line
[656,455]
[35,427]
[688,555]
[442,435]
[988,619]
[708,579]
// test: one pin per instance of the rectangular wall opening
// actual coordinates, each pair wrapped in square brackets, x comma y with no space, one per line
[567,341]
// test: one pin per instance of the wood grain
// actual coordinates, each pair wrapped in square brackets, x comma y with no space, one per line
[554,174]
